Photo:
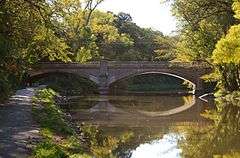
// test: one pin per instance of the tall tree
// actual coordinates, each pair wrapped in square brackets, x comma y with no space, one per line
[226,56]
[148,44]
[87,39]
[25,38]
[202,23]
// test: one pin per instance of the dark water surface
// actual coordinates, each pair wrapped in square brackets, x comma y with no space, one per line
[140,126]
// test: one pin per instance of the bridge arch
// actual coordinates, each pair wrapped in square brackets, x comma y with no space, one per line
[115,79]
[83,75]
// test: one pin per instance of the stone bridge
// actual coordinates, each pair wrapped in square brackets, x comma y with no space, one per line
[105,73]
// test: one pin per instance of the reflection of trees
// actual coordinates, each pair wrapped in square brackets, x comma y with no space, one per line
[102,146]
[220,139]
[149,103]
[120,145]
[188,99]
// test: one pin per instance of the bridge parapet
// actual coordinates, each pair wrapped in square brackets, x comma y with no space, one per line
[125,64]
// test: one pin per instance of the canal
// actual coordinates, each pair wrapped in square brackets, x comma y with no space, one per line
[138,126]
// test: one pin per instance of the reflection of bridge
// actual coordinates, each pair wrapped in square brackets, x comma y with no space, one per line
[105,73]
[105,106]
[108,112]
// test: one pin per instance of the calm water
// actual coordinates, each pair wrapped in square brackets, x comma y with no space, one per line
[140,126]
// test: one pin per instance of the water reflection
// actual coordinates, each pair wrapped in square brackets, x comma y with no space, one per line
[137,111]
[163,148]
[219,139]
[131,126]
[189,101]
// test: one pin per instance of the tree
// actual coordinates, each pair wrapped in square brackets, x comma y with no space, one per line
[202,23]
[86,42]
[147,43]
[226,56]
[26,37]
[167,48]
[90,6]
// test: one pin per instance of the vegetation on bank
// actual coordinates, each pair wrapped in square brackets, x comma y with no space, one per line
[212,37]
[60,139]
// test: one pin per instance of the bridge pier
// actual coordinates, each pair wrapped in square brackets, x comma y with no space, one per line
[103,78]
[103,90]
[199,87]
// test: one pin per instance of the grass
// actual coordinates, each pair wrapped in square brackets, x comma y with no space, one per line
[59,139]
[48,114]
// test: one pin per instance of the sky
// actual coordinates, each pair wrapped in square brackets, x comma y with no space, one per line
[145,13]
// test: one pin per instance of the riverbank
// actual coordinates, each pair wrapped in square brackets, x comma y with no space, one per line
[19,133]
[61,138]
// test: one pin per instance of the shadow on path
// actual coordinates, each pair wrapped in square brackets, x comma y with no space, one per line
[18,132]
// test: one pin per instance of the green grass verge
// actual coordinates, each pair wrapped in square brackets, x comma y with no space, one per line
[59,139]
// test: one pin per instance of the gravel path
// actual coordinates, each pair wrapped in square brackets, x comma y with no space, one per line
[18,132]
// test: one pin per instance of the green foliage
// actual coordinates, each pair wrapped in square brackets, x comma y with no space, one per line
[48,114]
[64,148]
[45,44]
[26,37]
[59,140]
[226,56]
[80,156]
[167,48]
[87,42]
[227,49]
[202,23]
[49,150]
[4,87]
[146,43]
[45,96]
